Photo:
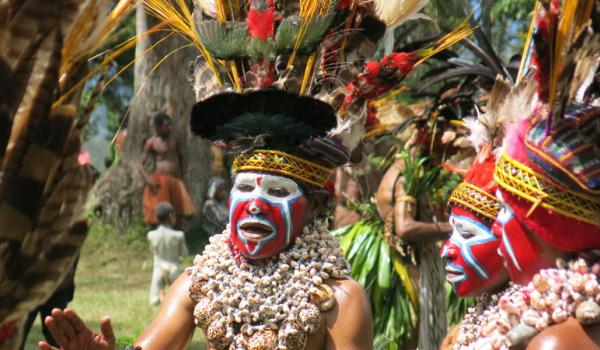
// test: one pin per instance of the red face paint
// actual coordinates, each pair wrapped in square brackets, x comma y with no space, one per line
[523,254]
[473,265]
[266,213]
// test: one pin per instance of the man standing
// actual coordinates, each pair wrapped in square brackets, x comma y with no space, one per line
[164,183]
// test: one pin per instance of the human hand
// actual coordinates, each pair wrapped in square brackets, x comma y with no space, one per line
[71,333]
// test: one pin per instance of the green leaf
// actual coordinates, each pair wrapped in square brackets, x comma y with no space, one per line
[359,240]
[384,270]
[372,254]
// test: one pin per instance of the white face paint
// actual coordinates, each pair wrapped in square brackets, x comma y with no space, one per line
[266,212]
[505,215]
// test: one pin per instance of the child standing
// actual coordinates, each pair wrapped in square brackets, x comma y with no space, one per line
[168,246]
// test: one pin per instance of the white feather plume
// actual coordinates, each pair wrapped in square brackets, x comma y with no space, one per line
[506,106]
[395,12]
[208,7]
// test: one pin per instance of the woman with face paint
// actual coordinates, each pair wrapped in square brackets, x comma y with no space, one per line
[473,267]
[549,195]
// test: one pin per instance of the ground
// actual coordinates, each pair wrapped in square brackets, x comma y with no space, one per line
[113,278]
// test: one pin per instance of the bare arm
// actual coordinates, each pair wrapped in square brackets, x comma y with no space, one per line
[412,230]
[350,323]
[148,149]
[173,328]
[406,227]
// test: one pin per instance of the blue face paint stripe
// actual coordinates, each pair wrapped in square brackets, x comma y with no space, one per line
[285,209]
[465,246]
[474,222]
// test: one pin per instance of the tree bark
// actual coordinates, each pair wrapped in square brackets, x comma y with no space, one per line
[117,196]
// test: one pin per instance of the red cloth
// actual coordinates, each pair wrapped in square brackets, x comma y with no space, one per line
[169,189]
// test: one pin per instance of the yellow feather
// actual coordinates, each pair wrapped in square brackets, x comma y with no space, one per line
[459,33]
[177,15]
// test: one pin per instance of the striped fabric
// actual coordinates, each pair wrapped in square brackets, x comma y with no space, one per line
[570,151]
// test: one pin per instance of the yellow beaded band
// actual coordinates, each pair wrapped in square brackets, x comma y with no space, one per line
[283,164]
[540,190]
[475,199]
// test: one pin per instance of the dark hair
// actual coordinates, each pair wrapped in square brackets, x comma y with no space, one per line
[163,210]
[161,118]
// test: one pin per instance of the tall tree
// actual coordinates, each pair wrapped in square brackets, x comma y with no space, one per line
[160,85]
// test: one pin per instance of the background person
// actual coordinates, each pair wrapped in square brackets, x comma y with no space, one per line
[214,210]
[165,184]
[168,247]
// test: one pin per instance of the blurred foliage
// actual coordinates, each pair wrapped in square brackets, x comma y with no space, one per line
[115,99]
[517,10]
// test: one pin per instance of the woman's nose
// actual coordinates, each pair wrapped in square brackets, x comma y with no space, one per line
[256,207]
[449,252]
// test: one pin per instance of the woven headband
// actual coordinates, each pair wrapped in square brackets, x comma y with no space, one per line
[282,163]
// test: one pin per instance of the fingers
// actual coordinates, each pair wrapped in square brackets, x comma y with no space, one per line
[45,346]
[56,332]
[63,323]
[75,320]
[107,330]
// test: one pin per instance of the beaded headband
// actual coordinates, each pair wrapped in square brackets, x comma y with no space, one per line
[475,199]
[540,190]
[282,163]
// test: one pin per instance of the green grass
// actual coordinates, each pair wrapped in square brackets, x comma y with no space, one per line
[113,278]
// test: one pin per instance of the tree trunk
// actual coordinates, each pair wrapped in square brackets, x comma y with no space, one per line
[118,192]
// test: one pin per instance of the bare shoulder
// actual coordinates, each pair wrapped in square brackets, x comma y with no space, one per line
[348,291]
[349,324]
[567,335]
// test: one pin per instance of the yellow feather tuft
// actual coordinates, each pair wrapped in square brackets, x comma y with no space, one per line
[574,15]
[177,15]
[459,33]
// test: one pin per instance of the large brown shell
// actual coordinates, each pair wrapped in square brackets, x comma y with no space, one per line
[263,340]
[292,337]
[310,316]
[217,336]
[204,313]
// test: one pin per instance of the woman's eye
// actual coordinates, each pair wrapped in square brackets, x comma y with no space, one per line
[278,192]
[467,234]
[245,188]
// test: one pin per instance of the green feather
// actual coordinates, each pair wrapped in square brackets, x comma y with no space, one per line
[317,30]
[286,34]
[223,40]
[261,50]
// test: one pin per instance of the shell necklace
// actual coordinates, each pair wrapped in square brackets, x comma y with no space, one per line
[519,313]
[272,305]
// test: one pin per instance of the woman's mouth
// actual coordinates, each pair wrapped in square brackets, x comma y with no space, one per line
[255,230]
[454,275]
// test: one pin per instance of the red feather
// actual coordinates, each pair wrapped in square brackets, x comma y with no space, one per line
[261,20]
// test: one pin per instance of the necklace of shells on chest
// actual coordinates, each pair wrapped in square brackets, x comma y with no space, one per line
[274,304]
[517,314]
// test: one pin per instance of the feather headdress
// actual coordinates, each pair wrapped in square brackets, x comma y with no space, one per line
[548,170]
[278,61]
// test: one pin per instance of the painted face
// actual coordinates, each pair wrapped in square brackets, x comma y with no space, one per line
[524,255]
[472,263]
[265,214]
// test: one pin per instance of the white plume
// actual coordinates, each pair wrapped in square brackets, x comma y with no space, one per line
[208,7]
[394,13]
